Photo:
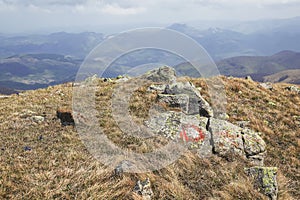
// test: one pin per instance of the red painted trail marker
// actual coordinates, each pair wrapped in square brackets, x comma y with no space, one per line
[185,137]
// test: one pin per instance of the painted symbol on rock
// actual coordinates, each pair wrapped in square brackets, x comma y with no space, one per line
[191,133]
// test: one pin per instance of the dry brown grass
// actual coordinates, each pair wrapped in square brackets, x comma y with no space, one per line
[58,166]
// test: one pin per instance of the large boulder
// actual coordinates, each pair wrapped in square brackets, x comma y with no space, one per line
[190,130]
[226,138]
[161,75]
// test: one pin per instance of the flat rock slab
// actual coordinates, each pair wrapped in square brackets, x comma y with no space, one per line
[197,104]
[226,138]
[189,130]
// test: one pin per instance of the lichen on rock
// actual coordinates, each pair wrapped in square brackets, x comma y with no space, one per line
[265,180]
[143,188]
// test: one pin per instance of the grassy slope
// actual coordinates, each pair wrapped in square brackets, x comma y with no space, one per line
[287,76]
[259,66]
[59,166]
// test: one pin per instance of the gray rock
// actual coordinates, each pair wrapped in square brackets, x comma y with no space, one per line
[226,138]
[175,101]
[197,103]
[121,167]
[189,129]
[265,180]
[243,124]
[161,75]
[267,86]
[169,124]
[248,78]
[143,188]
[257,160]
[38,119]
[121,79]
[254,146]
[223,116]
[65,116]
[293,88]
[27,114]
[157,87]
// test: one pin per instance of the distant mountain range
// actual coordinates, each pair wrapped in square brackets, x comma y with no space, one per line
[71,44]
[225,43]
[33,71]
[34,61]
[261,67]
[7,91]
[41,70]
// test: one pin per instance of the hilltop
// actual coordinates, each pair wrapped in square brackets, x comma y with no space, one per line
[259,67]
[42,159]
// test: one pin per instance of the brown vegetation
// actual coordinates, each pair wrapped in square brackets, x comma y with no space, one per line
[57,165]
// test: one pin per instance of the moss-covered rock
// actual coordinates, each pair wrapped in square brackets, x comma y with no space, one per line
[265,180]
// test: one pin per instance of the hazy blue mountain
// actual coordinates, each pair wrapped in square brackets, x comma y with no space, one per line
[73,44]
[33,61]
[289,25]
[33,71]
[260,66]
[270,37]
[7,91]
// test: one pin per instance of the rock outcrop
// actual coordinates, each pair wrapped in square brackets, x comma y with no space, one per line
[194,123]
[191,121]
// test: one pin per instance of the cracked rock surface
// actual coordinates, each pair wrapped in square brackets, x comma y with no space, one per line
[193,124]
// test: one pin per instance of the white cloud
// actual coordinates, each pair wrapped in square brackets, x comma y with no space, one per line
[115,9]
[62,13]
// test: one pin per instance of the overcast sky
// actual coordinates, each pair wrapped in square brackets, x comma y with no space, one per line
[38,15]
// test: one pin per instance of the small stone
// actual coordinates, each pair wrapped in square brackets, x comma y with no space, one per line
[243,124]
[267,86]
[91,79]
[38,119]
[121,79]
[144,189]
[293,88]
[26,148]
[159,87]
[248,78]
[265,180]
[107,80]
[120,168]
[65,116]
[223,116]
[253,143]
[40,137]
[27,114]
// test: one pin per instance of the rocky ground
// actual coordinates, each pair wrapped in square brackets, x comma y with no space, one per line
[251,152]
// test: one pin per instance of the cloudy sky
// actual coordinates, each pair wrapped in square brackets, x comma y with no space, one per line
[38,15]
